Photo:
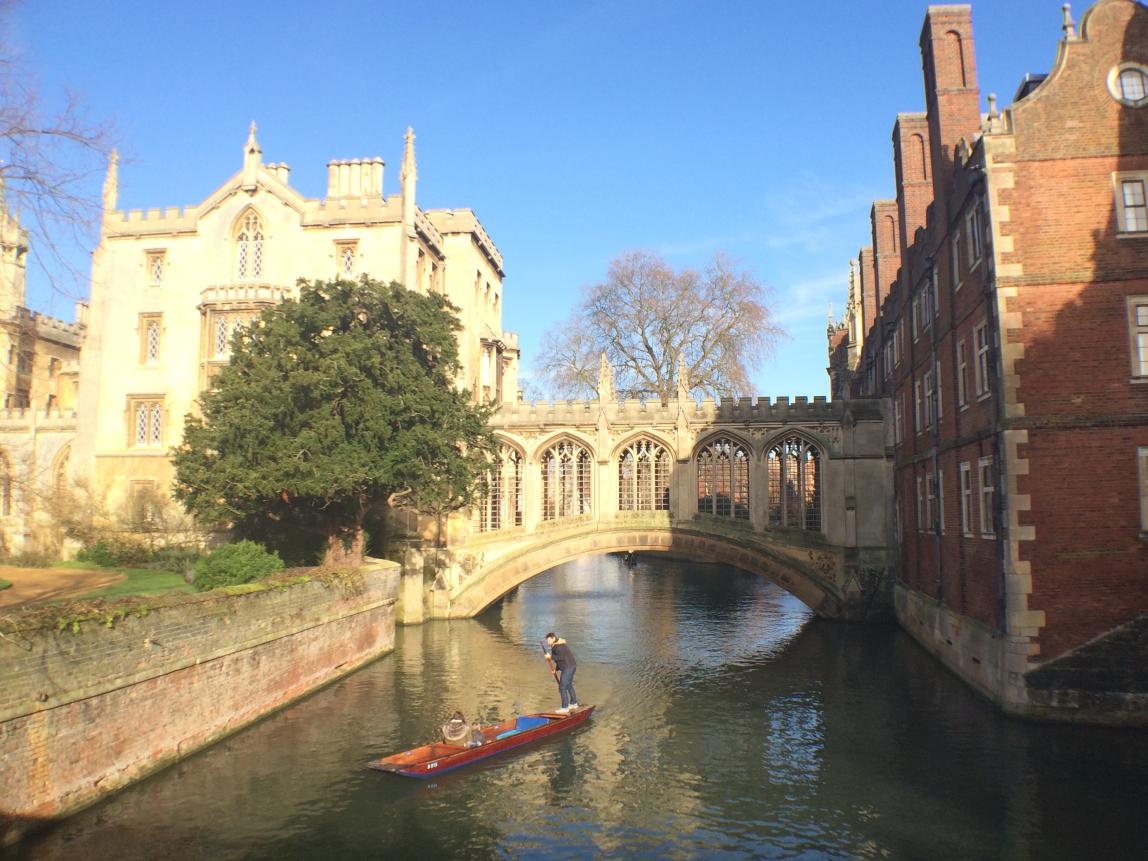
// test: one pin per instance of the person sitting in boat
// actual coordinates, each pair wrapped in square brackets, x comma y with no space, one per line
[456,730]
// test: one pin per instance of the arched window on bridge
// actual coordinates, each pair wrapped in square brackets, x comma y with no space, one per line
[565,481]
[500,505]
[644,477]
[723,479]
[794,467]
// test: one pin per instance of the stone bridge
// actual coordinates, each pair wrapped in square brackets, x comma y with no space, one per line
[794,492]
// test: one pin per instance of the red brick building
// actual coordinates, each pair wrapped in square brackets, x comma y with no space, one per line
[1002,306]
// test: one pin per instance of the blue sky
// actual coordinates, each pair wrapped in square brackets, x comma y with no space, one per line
[576,131]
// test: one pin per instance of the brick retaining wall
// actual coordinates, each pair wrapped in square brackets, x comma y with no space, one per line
[83,713]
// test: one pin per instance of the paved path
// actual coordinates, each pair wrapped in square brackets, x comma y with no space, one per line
[41,584]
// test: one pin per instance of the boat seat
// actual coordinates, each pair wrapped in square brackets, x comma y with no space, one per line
[522,724]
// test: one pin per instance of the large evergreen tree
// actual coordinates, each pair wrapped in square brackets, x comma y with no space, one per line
[332,407]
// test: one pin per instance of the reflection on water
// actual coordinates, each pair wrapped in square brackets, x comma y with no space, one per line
[729,724]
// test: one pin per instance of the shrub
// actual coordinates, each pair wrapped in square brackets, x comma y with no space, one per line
[178,560]
[5,584]
[109,552]
[233,564]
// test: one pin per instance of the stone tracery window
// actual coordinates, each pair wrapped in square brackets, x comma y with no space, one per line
[723,479]
[566,490]
[644,477]
[500,505]
[794,473]
[249,247]
[146,415]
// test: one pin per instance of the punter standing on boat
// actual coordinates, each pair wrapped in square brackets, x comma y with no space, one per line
[560,657]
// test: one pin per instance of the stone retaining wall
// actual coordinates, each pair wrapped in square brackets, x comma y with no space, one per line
[85,712]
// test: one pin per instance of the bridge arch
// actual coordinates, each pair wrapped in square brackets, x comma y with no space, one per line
[810,577]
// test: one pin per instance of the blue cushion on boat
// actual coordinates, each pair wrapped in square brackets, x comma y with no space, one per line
[525,723]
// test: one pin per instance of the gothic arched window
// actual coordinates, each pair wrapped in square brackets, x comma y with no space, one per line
[249,247]
[723,479]
[500,505]
[644,477]
[565,481]
[794,468]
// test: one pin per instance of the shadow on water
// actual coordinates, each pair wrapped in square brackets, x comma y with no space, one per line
[730,723]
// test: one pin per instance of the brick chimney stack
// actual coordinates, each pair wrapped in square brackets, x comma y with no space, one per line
[951,93]
[912,165]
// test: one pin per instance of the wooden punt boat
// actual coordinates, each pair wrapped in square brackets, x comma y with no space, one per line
[434,759]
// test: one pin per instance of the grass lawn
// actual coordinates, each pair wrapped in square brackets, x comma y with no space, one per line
[140,581]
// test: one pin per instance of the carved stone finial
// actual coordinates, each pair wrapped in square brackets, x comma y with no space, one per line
[605,381]
[409,168]
[1068,26]
[252,158]
[112,182]
[683,380]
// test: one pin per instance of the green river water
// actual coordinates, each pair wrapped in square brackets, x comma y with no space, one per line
[730,724]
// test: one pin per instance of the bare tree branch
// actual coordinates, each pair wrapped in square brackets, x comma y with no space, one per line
[51,158]
[646,318]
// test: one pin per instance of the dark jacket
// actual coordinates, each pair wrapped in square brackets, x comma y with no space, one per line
[563,656]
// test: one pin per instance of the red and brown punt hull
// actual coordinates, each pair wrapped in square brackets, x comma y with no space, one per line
[430,760]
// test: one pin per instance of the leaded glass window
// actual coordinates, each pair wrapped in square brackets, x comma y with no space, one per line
[155,261]
[566,481]
[500,505]
[346,253]
[644,477]
[147,422]
[723,479]
[151,340]
[793,469]
[249,248]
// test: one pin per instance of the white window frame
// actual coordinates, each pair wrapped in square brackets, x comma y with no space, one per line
[1116,85]
[917,426]
[915,313]
[1118,188]
[1142,457]
[1138,337]
[930,407]
[975,243]
[962,375]
[920,504]
[955,258]
[987,492]
[930,502]
[897,342]
[966,475]
[941,501]
[899,419]
[981,366]
[937,396]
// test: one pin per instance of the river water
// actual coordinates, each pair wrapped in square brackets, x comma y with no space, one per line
[730,724]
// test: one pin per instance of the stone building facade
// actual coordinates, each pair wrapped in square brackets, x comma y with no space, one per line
[1002,307]
[40,381]
[170,287]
